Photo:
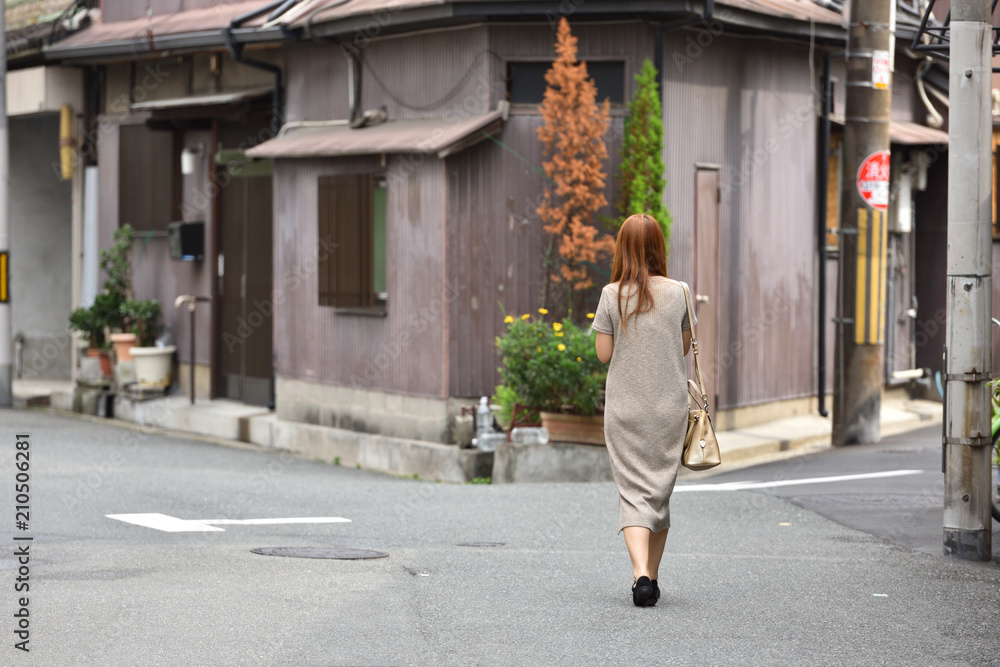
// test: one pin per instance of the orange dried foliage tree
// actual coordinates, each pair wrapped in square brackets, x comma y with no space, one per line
[572,133]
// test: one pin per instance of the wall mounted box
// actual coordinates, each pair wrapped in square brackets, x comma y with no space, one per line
[187,240]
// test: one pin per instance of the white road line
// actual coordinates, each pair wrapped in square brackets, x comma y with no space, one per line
[170,524]
[261,522]
[742,486]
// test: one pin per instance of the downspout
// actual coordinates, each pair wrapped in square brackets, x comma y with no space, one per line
[236,51]
[824,171]
[353,81]
[706,15]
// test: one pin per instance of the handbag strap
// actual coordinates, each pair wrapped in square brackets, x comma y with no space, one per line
[694,346]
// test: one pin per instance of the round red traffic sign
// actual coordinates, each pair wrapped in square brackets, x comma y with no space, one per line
[873,180]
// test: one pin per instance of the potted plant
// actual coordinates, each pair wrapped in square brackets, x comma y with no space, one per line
[91,323]
[552,368]
[116,263]
[152,363]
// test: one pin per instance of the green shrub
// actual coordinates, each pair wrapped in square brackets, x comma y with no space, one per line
[551,367]
[144,317]
[90,324]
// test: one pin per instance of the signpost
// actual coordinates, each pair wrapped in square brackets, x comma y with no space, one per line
[873,180]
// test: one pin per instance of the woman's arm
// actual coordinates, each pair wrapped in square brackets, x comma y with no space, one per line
[605,345]
[687,341]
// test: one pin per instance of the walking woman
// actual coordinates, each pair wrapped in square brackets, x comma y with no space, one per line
[643,330]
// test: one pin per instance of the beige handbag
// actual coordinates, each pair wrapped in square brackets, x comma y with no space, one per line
[701,448]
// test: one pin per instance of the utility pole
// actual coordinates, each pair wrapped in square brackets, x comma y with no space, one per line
[968,357]
[864,201]
[6,376]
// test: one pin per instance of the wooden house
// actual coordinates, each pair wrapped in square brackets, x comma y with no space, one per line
[362,257]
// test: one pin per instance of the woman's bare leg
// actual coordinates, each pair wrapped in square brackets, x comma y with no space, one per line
[656,543]
[637,539]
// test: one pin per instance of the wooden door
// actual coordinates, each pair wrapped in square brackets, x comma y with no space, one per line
[706,274]
[246,309]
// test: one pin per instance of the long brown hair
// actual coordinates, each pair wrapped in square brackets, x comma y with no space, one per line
[640,252]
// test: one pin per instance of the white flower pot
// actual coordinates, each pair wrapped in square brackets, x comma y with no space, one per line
[152,365]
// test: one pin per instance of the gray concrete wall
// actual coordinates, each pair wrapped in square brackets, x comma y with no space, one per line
[40,248]
[366,411]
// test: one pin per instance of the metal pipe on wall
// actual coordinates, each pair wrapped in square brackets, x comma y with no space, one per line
[236,51]
[824,171]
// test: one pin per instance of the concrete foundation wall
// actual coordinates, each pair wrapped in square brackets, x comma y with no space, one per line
[40,248]
[396,415]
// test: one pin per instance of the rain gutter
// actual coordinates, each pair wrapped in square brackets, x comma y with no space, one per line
[187,41]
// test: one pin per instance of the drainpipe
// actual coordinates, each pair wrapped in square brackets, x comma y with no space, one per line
[706,15]
[353,81]
[236,51]
[824,169]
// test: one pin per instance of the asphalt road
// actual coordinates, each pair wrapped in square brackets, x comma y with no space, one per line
[749,577]
[904,510]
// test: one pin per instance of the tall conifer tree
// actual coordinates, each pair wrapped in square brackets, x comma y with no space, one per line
[641,181]
[572,133]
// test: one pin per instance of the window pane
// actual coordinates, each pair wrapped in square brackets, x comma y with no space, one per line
[378,265]
[526,81]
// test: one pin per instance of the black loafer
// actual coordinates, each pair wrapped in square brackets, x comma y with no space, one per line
[656,589]
[643,594]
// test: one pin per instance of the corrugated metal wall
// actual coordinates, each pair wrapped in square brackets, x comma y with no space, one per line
[446,74]
[403,352]
[748,106]
[496,240]
[157,276]
[316,87]
[744,105]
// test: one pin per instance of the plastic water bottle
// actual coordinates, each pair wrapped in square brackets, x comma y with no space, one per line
[488,442]
[530,435]
[484,418]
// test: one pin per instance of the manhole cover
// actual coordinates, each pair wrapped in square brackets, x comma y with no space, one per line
[338,553]
[481,544]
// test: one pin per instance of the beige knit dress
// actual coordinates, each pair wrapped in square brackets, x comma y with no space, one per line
[646,407]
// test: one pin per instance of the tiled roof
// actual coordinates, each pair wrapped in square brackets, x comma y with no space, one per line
[26,13]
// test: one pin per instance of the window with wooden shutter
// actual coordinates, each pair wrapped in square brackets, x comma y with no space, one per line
[149,179]
[351,267]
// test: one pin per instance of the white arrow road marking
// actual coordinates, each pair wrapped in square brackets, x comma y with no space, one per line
[170,524]
[741,486]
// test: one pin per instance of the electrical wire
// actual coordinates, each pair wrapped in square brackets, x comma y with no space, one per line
[444,98]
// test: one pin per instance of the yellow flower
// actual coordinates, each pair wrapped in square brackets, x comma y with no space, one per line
[508,319]
[539,335]
[590,316]
[560,347]
[557,326]
[543,311]
[559,334]
[579,359]
[525,316]
[539,349]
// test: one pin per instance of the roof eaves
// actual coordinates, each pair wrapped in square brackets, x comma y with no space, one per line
[752,21]
[360,24]
[185,41]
